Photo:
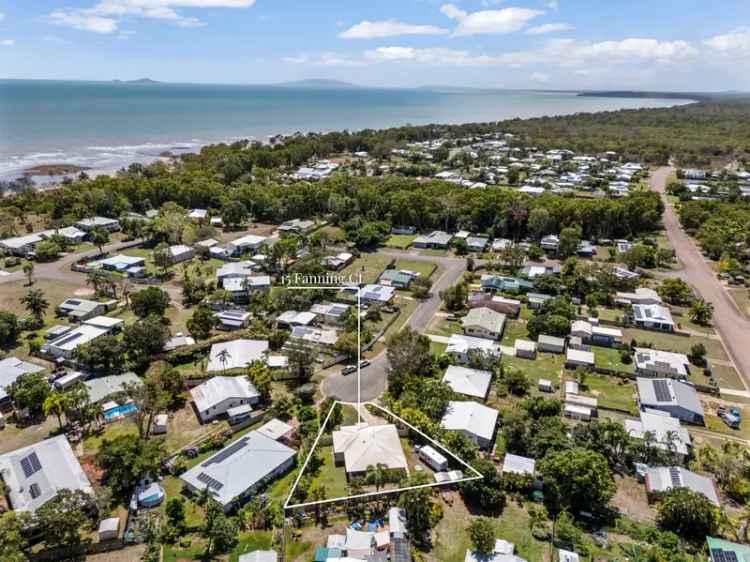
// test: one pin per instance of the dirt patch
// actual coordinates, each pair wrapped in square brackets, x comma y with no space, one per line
[125,555]
[631,499]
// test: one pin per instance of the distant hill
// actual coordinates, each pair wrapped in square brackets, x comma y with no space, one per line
[138,81]
[319,83]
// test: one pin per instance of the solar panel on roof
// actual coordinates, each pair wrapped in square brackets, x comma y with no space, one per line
[223,455]
[67,339]
[661,389]
[210,481]
[30,465]
[719,555]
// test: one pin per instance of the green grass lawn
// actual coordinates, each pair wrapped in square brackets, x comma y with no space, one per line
[672,342]
[401,241]
[514,329]
[726,377]
[446,327]
[741,298]
[437,348]
[452,539]
[331,477]
[612,392]
[545,366]
[609,358]
[716,424]
[371,265]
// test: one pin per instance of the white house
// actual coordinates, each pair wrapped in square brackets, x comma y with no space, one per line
[658,363]
[249,243]
[476,421]
[471,382]
[218,394]
[362,445]
[483,322]
[461,348]
[653,316]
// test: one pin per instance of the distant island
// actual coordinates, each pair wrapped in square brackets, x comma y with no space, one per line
[319,83]
[138,81]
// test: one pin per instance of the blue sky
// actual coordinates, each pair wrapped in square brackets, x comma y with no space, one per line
[655,44]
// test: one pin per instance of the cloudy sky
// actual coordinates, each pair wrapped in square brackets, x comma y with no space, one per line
[654,44]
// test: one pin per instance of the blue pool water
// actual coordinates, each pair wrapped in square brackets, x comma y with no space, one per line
[120,411]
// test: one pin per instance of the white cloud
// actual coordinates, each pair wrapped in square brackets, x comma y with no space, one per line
[83,21]
[549,28]
[569,52]
[540,77]
[105,16]
[506,20]
[322,59]
[388,28]
[7,42]
[736,42]
[433,56]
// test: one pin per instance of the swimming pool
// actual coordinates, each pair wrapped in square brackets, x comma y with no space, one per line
[121,410]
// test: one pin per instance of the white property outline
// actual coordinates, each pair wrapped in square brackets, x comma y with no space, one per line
[477,475]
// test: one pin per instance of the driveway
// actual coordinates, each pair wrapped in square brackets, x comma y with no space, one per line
[374,378]
[728,321]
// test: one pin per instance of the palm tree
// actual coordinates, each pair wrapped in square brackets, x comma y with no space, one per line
[224,356]
[99,237]
[378,475]
[701,312]
[28,271]
[36,304]
[55,404]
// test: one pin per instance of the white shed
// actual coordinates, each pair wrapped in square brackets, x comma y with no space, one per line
[109,529]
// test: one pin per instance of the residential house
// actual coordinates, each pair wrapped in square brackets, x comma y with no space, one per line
[476,421]
[536,300]
[435,239]
[232,319]
[291,318]
[297,226]
[217,395]
[64,347]
[10,369]
[525,349]
[579,358]
[33,475]
[664,478]
[330,313]
[550,243]
[245,244]
[360,446]
[311,337]
[396,278]
[102,388]
[471,382]
[180,253]
[595,334]
[239,470]
[462,348]
[722,550]
[120,262]
[586,249]
[658,363]
[236,354]
[641,295]
[339,261]
[503,305]
[377,294]
[484,322]
[477,243]
[679,399]
[653,316]
[532,271]
[177,341]
[81,309]
[87,225]
[664,431]
[493,283]
[516,464]
[550,344]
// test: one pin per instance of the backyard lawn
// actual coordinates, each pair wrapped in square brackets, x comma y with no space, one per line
[545,366]
[672,342]
[612,392]
[371,265]
[514,329]
[609,358]
[400,241]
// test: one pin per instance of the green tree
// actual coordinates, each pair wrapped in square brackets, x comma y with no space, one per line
[54,404]
[12,541]
[482,534]
[687,513]
[486,493]
[8,328]
[162,257]
[577,479]
[569,240]
[125,459]
[454,297]
[149,301]
[201,322]
[261,377]
[675,291]
[99,237]
[63,518]
[29,391]
[408,354]
[175,511]
[233,213]
[422,512]
[701,312]
[143,340]
[36,304]
[220,530]
[104,355]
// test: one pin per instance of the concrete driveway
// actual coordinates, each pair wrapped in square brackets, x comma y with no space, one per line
[729,322]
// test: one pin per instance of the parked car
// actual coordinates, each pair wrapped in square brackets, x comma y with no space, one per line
[348,370]
[363,363]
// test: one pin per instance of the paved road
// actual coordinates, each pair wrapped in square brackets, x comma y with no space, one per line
[374,377]
[728,320]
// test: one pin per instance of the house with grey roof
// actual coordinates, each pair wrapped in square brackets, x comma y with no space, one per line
[81,309]
[33,475]
[664,432]
[477,421]
[657,363]
[87,225]
[101,388]
[499,283]
[10,369]
[217,395]
[395,278]
[665,478]
[550,344]
[471,382]
[483,322]
[435,239]
[678,399]
[239,470]
[653,316]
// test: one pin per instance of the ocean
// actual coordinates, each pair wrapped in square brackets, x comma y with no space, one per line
[107,125]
